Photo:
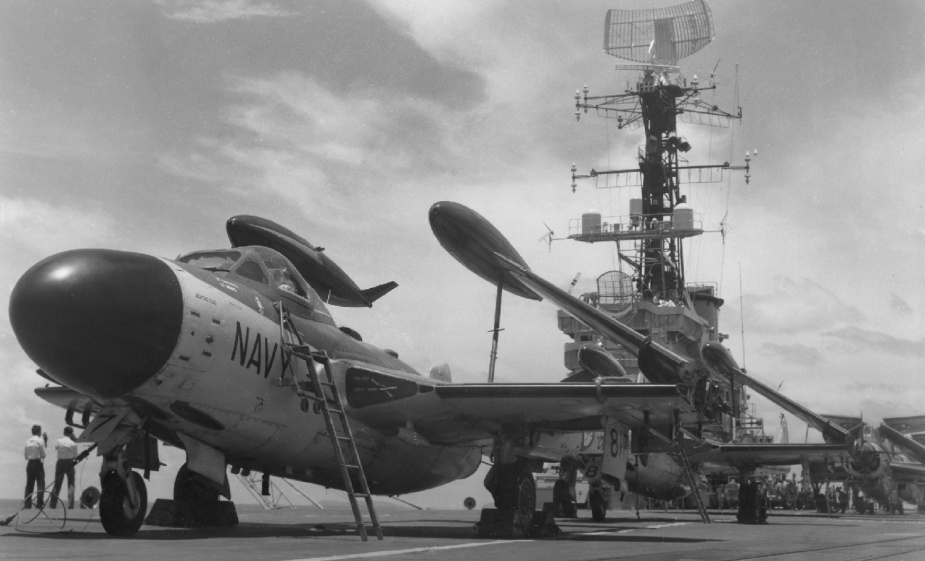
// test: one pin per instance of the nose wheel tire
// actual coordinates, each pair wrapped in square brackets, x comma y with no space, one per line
[118,516]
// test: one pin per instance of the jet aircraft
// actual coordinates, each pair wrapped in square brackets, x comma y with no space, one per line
[660,473]
[661,476]
[212,352]
[871,465]
[890,470]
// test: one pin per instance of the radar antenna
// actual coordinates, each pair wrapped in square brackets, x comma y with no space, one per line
[658,38]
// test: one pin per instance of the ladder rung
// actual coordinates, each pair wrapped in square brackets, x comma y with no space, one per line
[351,466]
[362,495]
[323,383]
[334,410]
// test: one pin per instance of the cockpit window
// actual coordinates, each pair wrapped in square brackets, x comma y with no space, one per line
[281,277]
[251,270]
[212,260]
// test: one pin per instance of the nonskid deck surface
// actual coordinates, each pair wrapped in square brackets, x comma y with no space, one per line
[311,534]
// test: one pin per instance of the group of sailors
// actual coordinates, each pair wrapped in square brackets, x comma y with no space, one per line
[34,453]
[789,494]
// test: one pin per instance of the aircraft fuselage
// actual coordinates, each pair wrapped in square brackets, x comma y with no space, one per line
[220,383]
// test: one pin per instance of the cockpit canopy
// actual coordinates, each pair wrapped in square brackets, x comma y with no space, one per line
[259,264]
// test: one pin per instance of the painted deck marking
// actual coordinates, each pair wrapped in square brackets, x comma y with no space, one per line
[667,525]
[607,533]
[373,554]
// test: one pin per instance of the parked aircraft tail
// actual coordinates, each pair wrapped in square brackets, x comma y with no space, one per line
[377,292]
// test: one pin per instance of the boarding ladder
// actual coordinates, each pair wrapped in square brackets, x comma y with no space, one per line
[692,479]
[327,396]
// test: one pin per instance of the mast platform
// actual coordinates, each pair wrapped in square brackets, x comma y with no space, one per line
[592,228]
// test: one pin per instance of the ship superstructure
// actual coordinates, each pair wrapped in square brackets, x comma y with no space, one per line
[654,297]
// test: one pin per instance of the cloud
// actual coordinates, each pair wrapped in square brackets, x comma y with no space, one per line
[798,354]
[297,140]
[214,11]
[857,340]
[43,228]
[796,306]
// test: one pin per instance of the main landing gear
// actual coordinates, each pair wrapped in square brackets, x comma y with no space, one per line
[124,499]
[514,516]
[194,498]
[516,490]
[597,503]
[195,504]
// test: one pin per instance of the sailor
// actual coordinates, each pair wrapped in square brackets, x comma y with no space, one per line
[842,500]
[67,453]
[562,496]
[35,468]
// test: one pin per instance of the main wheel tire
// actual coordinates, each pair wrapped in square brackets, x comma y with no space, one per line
[596,503]
[525,500]
[116,512]
[516,490]
[199,498]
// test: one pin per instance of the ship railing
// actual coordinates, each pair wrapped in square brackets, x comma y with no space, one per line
[635,224]
[701,286]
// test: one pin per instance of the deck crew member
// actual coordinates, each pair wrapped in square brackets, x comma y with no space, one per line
[35,467]
[67,453]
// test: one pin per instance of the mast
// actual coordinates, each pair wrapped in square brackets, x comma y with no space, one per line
[655,299]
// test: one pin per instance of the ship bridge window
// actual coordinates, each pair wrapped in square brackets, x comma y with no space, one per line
[250,269]
[211,260]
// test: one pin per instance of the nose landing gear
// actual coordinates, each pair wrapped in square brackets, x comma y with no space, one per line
[124,499]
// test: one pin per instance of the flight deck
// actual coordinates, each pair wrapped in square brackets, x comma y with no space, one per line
[448,535]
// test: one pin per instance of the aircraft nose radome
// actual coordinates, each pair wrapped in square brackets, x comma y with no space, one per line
[99,321]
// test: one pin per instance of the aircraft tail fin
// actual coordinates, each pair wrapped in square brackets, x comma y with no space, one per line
[377,292]
[441,372]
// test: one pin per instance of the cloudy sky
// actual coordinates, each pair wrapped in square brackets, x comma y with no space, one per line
[144,126]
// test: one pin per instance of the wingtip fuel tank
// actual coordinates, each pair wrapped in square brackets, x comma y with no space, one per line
[320,271]
[477,244]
